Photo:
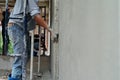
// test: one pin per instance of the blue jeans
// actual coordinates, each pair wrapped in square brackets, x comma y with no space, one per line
[16,35]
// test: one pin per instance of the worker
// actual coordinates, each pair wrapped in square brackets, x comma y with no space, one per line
[16,32]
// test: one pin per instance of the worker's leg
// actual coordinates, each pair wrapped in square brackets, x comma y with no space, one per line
[16,35]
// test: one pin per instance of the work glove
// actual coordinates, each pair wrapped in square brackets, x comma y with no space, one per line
[53,35]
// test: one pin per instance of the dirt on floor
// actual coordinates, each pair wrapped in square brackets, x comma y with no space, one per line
[4,74]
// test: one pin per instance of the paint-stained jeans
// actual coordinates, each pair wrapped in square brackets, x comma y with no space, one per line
[16,34]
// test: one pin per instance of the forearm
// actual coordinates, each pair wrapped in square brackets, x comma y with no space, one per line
[40,21]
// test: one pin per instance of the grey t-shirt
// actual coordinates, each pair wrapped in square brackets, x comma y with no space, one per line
[18,10]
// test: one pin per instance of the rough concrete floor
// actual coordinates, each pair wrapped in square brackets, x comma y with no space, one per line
[5,69]
[45,76]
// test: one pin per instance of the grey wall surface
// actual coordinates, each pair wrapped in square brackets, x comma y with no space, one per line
[89,40]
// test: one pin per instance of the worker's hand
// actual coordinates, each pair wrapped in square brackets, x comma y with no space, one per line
[50,30]
[52,34]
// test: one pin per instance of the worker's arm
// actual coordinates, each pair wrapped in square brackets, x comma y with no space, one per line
[40,21]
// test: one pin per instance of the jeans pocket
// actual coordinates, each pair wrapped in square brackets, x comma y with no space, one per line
[10,33]
[15,33]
